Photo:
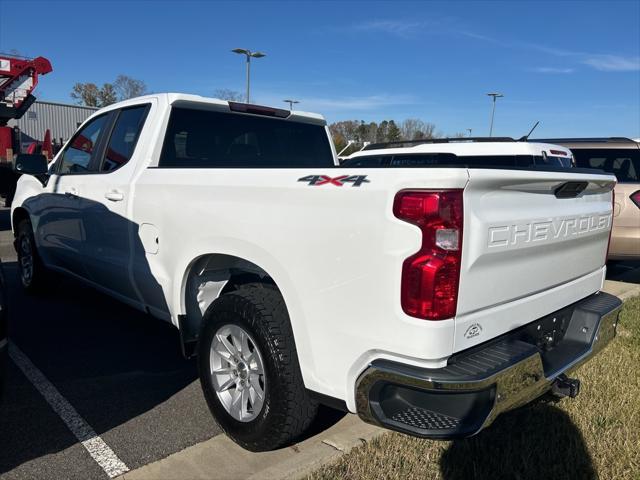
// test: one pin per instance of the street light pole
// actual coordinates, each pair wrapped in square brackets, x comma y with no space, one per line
[248,54]
[469,130]
[349,143]
[248,76]
[493,111]
[291,102]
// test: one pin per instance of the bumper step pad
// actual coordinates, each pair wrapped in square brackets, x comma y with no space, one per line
[424,419]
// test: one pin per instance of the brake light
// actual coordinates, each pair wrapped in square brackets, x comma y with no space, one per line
[635,198]
[430,277]
[558,152]
[258,110]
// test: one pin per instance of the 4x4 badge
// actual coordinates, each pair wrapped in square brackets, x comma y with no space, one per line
[318,180]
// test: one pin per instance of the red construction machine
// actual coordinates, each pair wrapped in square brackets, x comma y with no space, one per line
[18,79]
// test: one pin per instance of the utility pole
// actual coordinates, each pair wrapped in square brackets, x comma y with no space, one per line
[493,111]
[249,54]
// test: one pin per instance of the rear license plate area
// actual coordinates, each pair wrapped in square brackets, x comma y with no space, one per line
[547,332]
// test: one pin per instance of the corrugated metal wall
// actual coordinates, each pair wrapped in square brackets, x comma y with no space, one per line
[61,119]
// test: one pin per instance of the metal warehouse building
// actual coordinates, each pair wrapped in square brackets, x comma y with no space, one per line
[60,118]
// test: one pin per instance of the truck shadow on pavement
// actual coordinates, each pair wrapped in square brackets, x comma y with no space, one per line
[533,442]
[121,369]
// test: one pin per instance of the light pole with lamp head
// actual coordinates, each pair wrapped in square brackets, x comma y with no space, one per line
[291,102]
[249,54]
[493,111]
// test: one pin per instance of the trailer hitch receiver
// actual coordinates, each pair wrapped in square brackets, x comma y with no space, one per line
[566,387]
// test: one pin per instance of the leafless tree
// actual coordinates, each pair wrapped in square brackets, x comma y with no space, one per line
[86,94]
[127,87]
[91,95]
[458,135]
[416,129]
[107,95]
[228,94]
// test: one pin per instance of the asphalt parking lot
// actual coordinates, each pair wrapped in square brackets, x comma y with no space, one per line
[120,370]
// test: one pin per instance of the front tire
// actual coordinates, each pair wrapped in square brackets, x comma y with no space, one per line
[249,369]
[31,271]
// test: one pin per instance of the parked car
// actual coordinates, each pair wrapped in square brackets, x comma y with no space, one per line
[428,300]
[621,157]
[377,155]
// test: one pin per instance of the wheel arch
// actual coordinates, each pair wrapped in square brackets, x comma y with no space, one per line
[19,214]
[210,275]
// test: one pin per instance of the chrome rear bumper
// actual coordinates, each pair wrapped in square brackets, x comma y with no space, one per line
[479,384]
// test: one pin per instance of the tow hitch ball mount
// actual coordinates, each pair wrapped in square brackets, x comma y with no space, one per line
[564,386]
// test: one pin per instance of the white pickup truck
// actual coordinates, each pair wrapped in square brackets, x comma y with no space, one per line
[427,289]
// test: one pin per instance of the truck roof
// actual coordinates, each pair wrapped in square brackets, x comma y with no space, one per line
[209,103]
[468,148]
[198,100]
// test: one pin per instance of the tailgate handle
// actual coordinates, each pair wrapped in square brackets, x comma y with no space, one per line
[570,189]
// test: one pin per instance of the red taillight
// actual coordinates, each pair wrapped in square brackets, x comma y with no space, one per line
[430,278]
[635,198]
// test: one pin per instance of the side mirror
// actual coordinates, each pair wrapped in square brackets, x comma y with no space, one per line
[31,164]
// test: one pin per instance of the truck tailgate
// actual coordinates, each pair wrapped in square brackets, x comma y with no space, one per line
[522,238]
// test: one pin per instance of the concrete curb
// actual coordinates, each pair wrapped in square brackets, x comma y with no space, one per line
[220,458]
[622,290]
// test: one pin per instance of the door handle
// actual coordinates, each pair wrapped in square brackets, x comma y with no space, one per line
[71,192]
[114,196]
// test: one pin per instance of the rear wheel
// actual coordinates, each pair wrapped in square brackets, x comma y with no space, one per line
[30,268]
[249,369]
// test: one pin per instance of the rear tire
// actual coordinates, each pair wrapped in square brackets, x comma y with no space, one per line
[286,410]
[31,271]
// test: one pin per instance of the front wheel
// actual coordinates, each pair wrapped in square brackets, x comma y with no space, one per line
[30,268]
[249,369]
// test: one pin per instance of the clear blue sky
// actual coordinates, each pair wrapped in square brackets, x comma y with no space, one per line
[575,66]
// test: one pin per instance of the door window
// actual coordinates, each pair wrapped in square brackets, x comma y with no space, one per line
[124,137]
[77,156]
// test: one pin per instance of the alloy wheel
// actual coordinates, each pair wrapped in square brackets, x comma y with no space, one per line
[26,260]
[237,371]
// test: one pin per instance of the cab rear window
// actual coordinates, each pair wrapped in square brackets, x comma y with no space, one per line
[206,139]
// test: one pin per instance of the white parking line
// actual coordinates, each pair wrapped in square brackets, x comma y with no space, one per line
[97,448]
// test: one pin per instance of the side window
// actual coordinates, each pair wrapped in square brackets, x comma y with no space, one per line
[77,156]
[623,163]
[124,137]
[624,170]
[596,163]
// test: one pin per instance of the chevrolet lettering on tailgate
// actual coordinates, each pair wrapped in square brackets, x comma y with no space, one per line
[561,228]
